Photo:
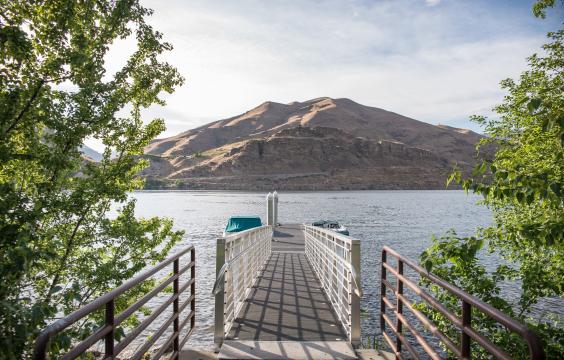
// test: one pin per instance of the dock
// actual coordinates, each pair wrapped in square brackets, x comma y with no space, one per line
[300,297]
[289,291]
[288,302]
[287,311]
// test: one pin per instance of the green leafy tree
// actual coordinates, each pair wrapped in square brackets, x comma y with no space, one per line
[59,248]
[523,187]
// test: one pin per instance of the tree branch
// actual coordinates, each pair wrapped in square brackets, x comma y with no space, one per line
[26,107]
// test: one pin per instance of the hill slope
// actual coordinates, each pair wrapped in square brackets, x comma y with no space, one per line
[318,144]
[344,114]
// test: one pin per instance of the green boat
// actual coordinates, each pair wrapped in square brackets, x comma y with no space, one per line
[241,223]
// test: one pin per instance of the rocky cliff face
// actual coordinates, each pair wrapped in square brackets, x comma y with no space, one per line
[305,158]
[321,144]
[372,123]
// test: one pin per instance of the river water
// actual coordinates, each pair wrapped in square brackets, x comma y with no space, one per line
[404,220]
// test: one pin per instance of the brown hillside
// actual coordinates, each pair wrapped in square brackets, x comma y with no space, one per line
[368,122]
[305,158]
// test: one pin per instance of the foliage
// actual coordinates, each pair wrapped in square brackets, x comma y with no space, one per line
[539,7]
[371,342]
[523,187]
[59,246]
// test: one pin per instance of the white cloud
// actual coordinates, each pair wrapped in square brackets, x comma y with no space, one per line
[436,64]
[432,2]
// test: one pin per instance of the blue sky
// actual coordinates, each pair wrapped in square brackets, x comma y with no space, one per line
[437,61]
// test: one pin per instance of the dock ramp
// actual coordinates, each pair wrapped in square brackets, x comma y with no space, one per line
[301,302]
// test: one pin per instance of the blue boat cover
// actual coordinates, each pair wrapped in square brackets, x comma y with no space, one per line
[242,223]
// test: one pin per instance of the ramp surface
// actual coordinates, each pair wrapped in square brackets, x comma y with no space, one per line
[287,303]
[318,350]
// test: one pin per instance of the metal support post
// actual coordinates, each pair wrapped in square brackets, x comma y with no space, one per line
[269,209]
[355,304]
[275,209]
[220,296]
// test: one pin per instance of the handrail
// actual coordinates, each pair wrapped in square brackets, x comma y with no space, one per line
[218,285]
[106,332]
[239,259]
[467,333]
[335,259]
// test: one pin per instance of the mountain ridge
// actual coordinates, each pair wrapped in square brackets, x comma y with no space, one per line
[236,148]
[342,113]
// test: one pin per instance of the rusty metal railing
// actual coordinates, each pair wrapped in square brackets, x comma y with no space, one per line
[112,321]
[464,324]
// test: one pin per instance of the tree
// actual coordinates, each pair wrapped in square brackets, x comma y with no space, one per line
[523,187]
[59,246]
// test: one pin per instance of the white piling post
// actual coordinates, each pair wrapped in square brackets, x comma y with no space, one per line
[275,208]
[269,210]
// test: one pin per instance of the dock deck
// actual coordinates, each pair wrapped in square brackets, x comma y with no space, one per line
[287,303]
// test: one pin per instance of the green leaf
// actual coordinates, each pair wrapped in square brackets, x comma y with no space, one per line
[534,105]
[56,289]
[520,197]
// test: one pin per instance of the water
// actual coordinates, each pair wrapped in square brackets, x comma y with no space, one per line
[404,220]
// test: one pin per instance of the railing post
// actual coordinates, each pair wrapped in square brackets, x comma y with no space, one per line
[399,305]
[220,296]
[383,293]
[355,305]
[269,209]
[109,339]
[175,304]
[193,288]
[275,209]
[465,338]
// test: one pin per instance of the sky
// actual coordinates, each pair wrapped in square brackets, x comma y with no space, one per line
[437,61]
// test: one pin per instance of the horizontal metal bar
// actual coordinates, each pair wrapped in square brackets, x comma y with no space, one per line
[87,343]
[147,345]
[389,304]
[168,343]
[402,338]
[331,234]
[426,296]
[186,338]
[428,324]
[388,321]
[61,324]
[392,346]
[486,344]
[389,285]
[135,306]
[164,347]
[148,320]
[424,344]
[535,347]
[242,234]
[487,309]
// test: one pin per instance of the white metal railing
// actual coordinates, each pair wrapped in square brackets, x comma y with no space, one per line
[239,259]
[335,259]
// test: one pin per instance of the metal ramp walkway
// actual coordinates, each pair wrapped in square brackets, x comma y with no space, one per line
[288,302]
[300,302]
